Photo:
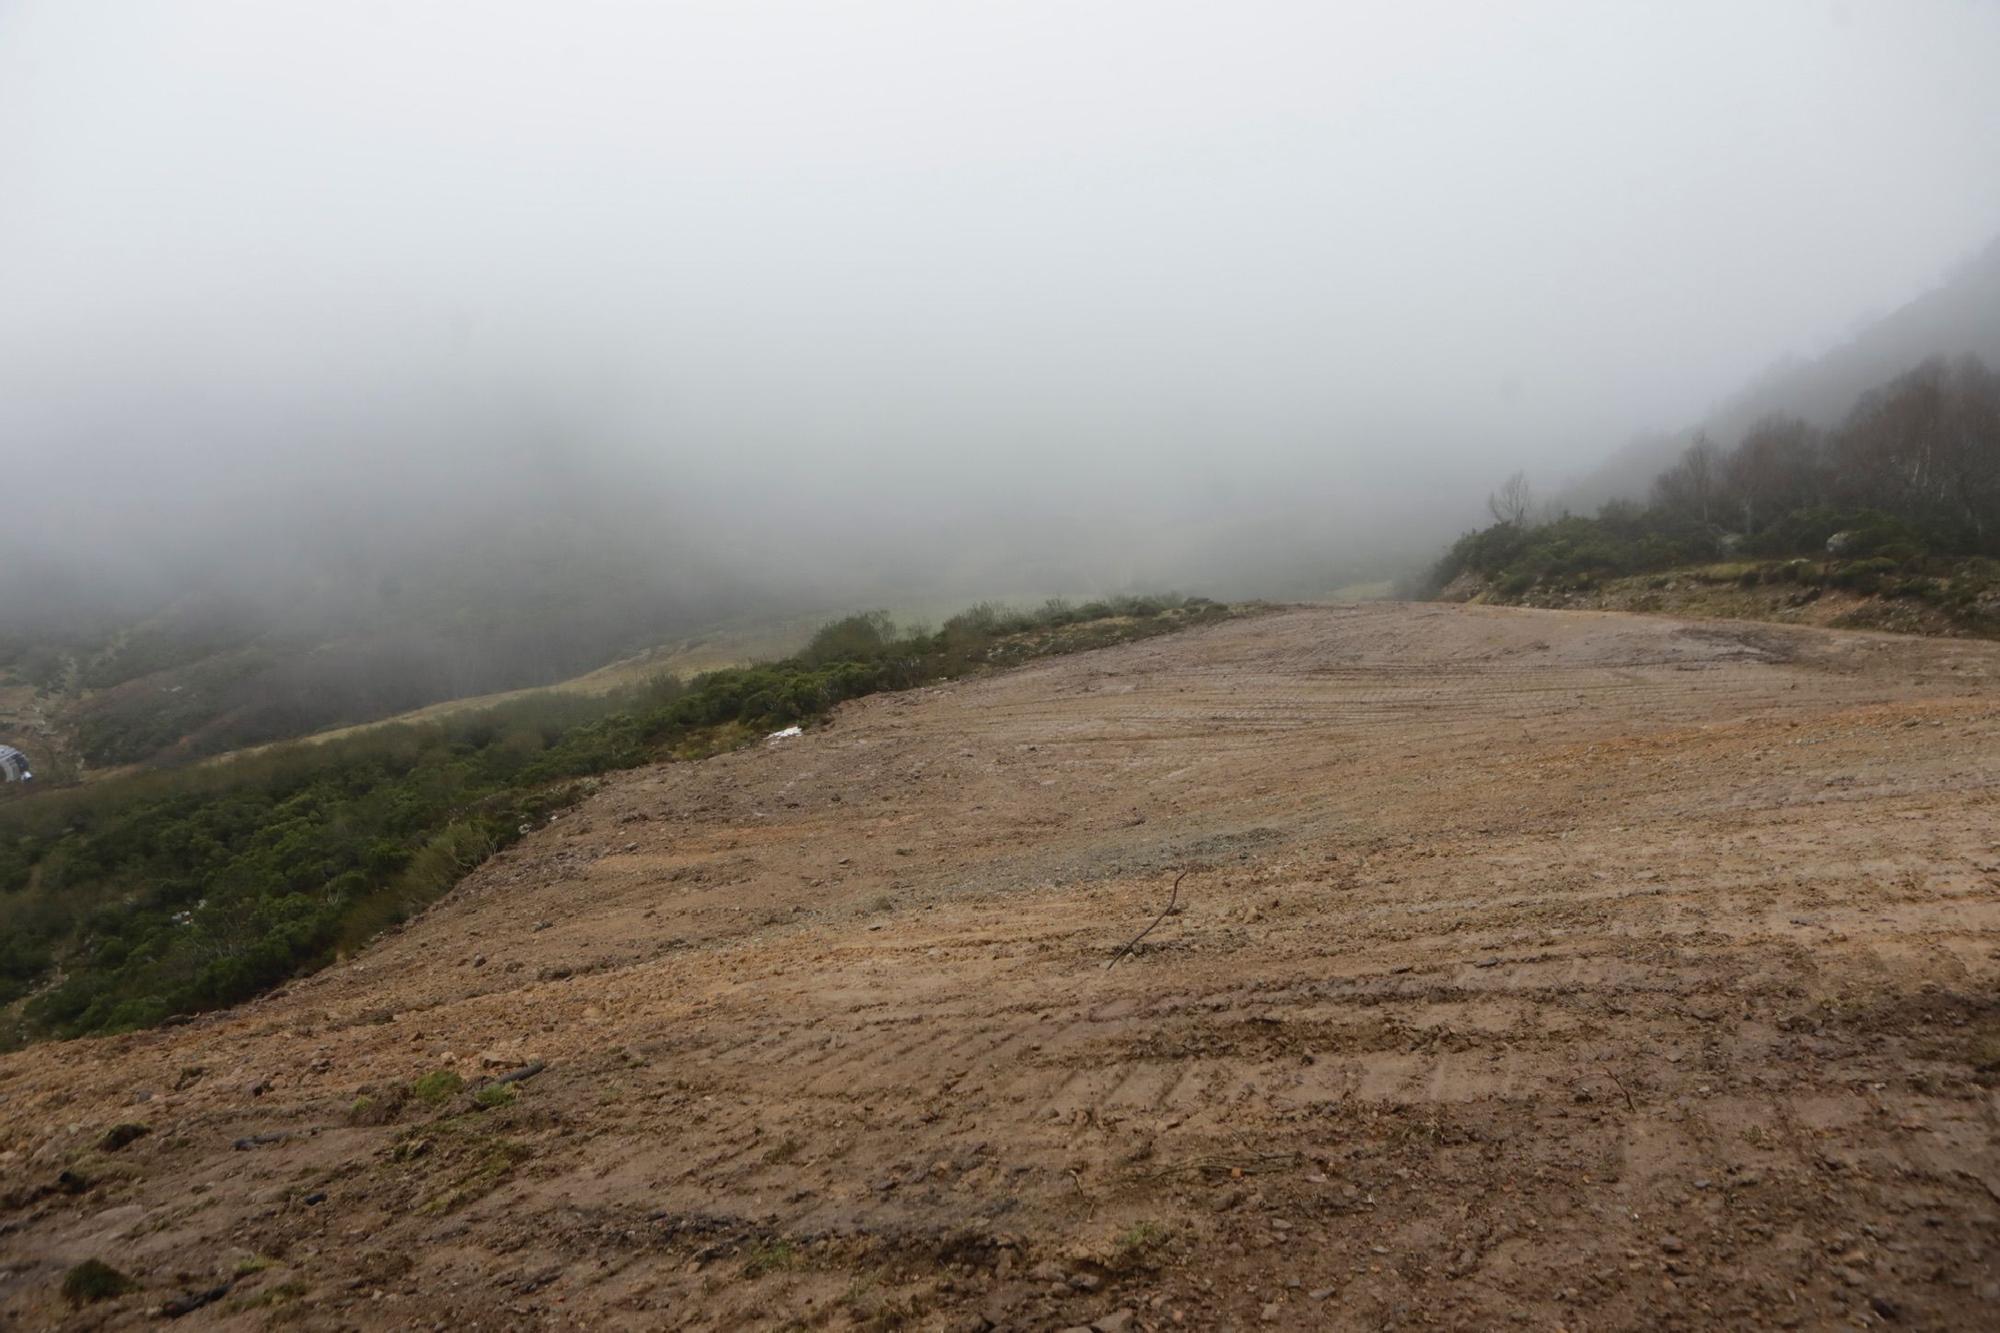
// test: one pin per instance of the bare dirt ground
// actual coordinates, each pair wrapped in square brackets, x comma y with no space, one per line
[1553,968]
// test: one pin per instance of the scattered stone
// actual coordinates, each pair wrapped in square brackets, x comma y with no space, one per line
[1672,1244]
[1272,1311]
[248,1142]
[1086,1281]
[1319,1293]
[1048,1271]
[1118,1321]
[524,1073]
[194,1300]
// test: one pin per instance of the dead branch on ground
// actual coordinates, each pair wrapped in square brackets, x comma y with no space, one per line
[1173,900]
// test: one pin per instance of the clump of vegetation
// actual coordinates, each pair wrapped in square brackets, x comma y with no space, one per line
[94,1280]
[283,1293]
[379,1108]
[119,1137]
[451,1164]
[437,1087]
[770,1256]
[1139,1244]
[495,1095]
[134,899]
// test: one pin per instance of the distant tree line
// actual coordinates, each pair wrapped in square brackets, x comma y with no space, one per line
[1912,472]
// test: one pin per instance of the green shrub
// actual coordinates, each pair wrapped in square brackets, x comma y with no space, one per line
[1863,575]
[93,1280]
[858,638]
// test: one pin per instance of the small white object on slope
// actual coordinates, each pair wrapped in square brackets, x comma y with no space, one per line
[784,735]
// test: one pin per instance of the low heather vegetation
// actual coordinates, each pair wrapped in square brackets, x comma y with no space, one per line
[126,902]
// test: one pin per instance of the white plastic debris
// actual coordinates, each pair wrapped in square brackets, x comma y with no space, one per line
[784,735]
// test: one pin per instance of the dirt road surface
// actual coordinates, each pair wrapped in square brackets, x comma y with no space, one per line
[1568,970]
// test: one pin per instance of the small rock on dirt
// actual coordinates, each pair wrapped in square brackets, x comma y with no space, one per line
[192,1301]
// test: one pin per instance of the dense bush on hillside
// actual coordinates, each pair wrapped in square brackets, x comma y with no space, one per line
[1910,481]
[134,899]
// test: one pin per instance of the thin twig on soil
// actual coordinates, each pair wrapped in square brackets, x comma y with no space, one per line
[1172,899]
[1630,1105]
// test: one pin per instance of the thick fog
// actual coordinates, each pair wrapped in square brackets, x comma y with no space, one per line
[869,300]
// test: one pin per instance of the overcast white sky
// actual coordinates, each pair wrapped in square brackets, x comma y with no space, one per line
[1209,261]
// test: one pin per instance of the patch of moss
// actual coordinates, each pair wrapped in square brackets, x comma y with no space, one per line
[770,1256]
[494,1095]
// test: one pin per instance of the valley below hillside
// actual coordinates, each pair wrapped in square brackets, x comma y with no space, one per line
[1576,968]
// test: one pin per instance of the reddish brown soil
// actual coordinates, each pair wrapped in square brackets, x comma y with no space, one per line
[1575,970]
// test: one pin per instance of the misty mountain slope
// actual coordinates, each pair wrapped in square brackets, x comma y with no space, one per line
[221,659]
[1529,964]
[1960,317]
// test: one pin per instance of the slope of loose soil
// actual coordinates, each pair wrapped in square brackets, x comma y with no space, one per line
[1591,970]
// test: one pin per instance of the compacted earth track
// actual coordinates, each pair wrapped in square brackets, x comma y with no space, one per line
[1555,968]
